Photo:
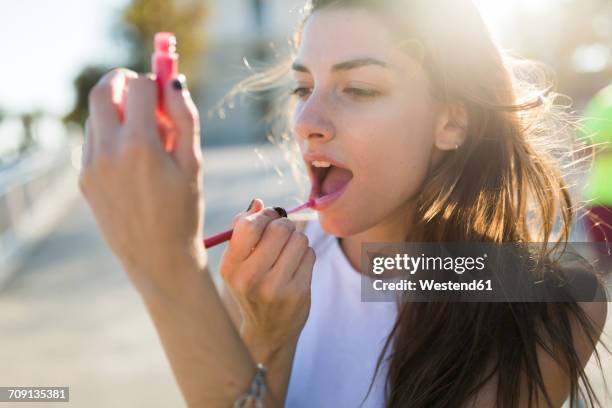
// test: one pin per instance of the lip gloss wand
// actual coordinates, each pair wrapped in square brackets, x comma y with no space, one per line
[164,63]
[226,235]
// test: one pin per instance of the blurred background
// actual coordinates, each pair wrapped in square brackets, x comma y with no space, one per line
[68,316]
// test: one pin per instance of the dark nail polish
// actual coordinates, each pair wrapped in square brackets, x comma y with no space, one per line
[177,84]
[281,211]
[250,205]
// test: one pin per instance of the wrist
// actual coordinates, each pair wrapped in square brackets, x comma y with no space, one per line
[187,255]
[173,274]
[268,349]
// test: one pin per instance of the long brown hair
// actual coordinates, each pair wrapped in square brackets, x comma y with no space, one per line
[503,185]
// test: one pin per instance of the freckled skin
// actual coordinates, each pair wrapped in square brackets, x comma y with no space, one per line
[387,140]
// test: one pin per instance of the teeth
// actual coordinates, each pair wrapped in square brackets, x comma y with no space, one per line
[317,163]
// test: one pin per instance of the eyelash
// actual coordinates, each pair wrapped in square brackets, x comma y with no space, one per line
[363,93]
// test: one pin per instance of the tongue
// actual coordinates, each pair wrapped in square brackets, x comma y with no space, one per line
[335,179]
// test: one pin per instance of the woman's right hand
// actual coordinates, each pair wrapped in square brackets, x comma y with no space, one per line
[148,203]
[268,269]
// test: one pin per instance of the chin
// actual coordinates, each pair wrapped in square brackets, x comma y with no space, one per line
[337,224]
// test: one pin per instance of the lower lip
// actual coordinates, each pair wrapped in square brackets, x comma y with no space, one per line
[325,201]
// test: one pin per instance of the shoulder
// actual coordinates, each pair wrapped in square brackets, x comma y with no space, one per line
[552,361]
[597,313]
[585,336]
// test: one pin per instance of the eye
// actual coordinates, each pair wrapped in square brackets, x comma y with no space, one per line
[365,93]
[301,92]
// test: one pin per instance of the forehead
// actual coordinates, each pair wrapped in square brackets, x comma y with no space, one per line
[338,34]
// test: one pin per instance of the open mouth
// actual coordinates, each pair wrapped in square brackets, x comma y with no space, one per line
[329,181]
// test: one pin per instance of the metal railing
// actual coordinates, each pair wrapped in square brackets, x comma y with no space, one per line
[29,192]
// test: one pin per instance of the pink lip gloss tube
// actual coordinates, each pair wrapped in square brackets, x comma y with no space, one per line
[164,62]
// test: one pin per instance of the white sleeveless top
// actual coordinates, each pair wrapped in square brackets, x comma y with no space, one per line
[338,348]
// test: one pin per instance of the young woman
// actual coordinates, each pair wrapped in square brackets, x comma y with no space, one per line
[430,133]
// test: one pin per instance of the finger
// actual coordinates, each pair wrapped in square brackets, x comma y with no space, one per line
[248,230]
[290,258]
[302,278]
[182,111]
[276,235]
[263,217]
[105,99]
[253,206]
[140,118]
[87,148]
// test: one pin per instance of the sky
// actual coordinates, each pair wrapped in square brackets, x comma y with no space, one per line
[46,43]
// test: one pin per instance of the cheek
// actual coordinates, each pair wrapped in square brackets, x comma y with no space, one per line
[400,141]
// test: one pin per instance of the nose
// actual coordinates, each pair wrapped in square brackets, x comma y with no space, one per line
[312,121]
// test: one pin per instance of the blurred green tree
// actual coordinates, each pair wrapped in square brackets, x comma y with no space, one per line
[136,26]
[141,19]
[83,83]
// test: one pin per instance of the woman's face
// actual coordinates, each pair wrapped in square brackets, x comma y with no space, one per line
[364,103]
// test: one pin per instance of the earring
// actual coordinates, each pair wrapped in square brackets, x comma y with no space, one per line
[456,146]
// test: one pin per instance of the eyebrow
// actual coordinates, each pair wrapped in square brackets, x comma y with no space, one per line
[346,65]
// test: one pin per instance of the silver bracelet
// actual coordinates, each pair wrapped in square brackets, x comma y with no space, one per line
[254,397]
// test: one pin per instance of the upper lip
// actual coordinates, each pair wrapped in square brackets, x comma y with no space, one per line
[309,157]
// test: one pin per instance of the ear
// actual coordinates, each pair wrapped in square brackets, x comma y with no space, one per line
[451,126]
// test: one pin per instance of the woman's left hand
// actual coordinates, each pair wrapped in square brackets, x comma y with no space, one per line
[147,202]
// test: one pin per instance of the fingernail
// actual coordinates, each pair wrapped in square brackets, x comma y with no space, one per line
[177,84]
[251,205]
[281,211]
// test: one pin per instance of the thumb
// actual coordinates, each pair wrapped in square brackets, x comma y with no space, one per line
[184,115]
[256,205]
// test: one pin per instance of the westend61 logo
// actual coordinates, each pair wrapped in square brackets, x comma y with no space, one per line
[413,264]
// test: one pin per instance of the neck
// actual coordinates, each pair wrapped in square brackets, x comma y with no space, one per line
[396,227]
